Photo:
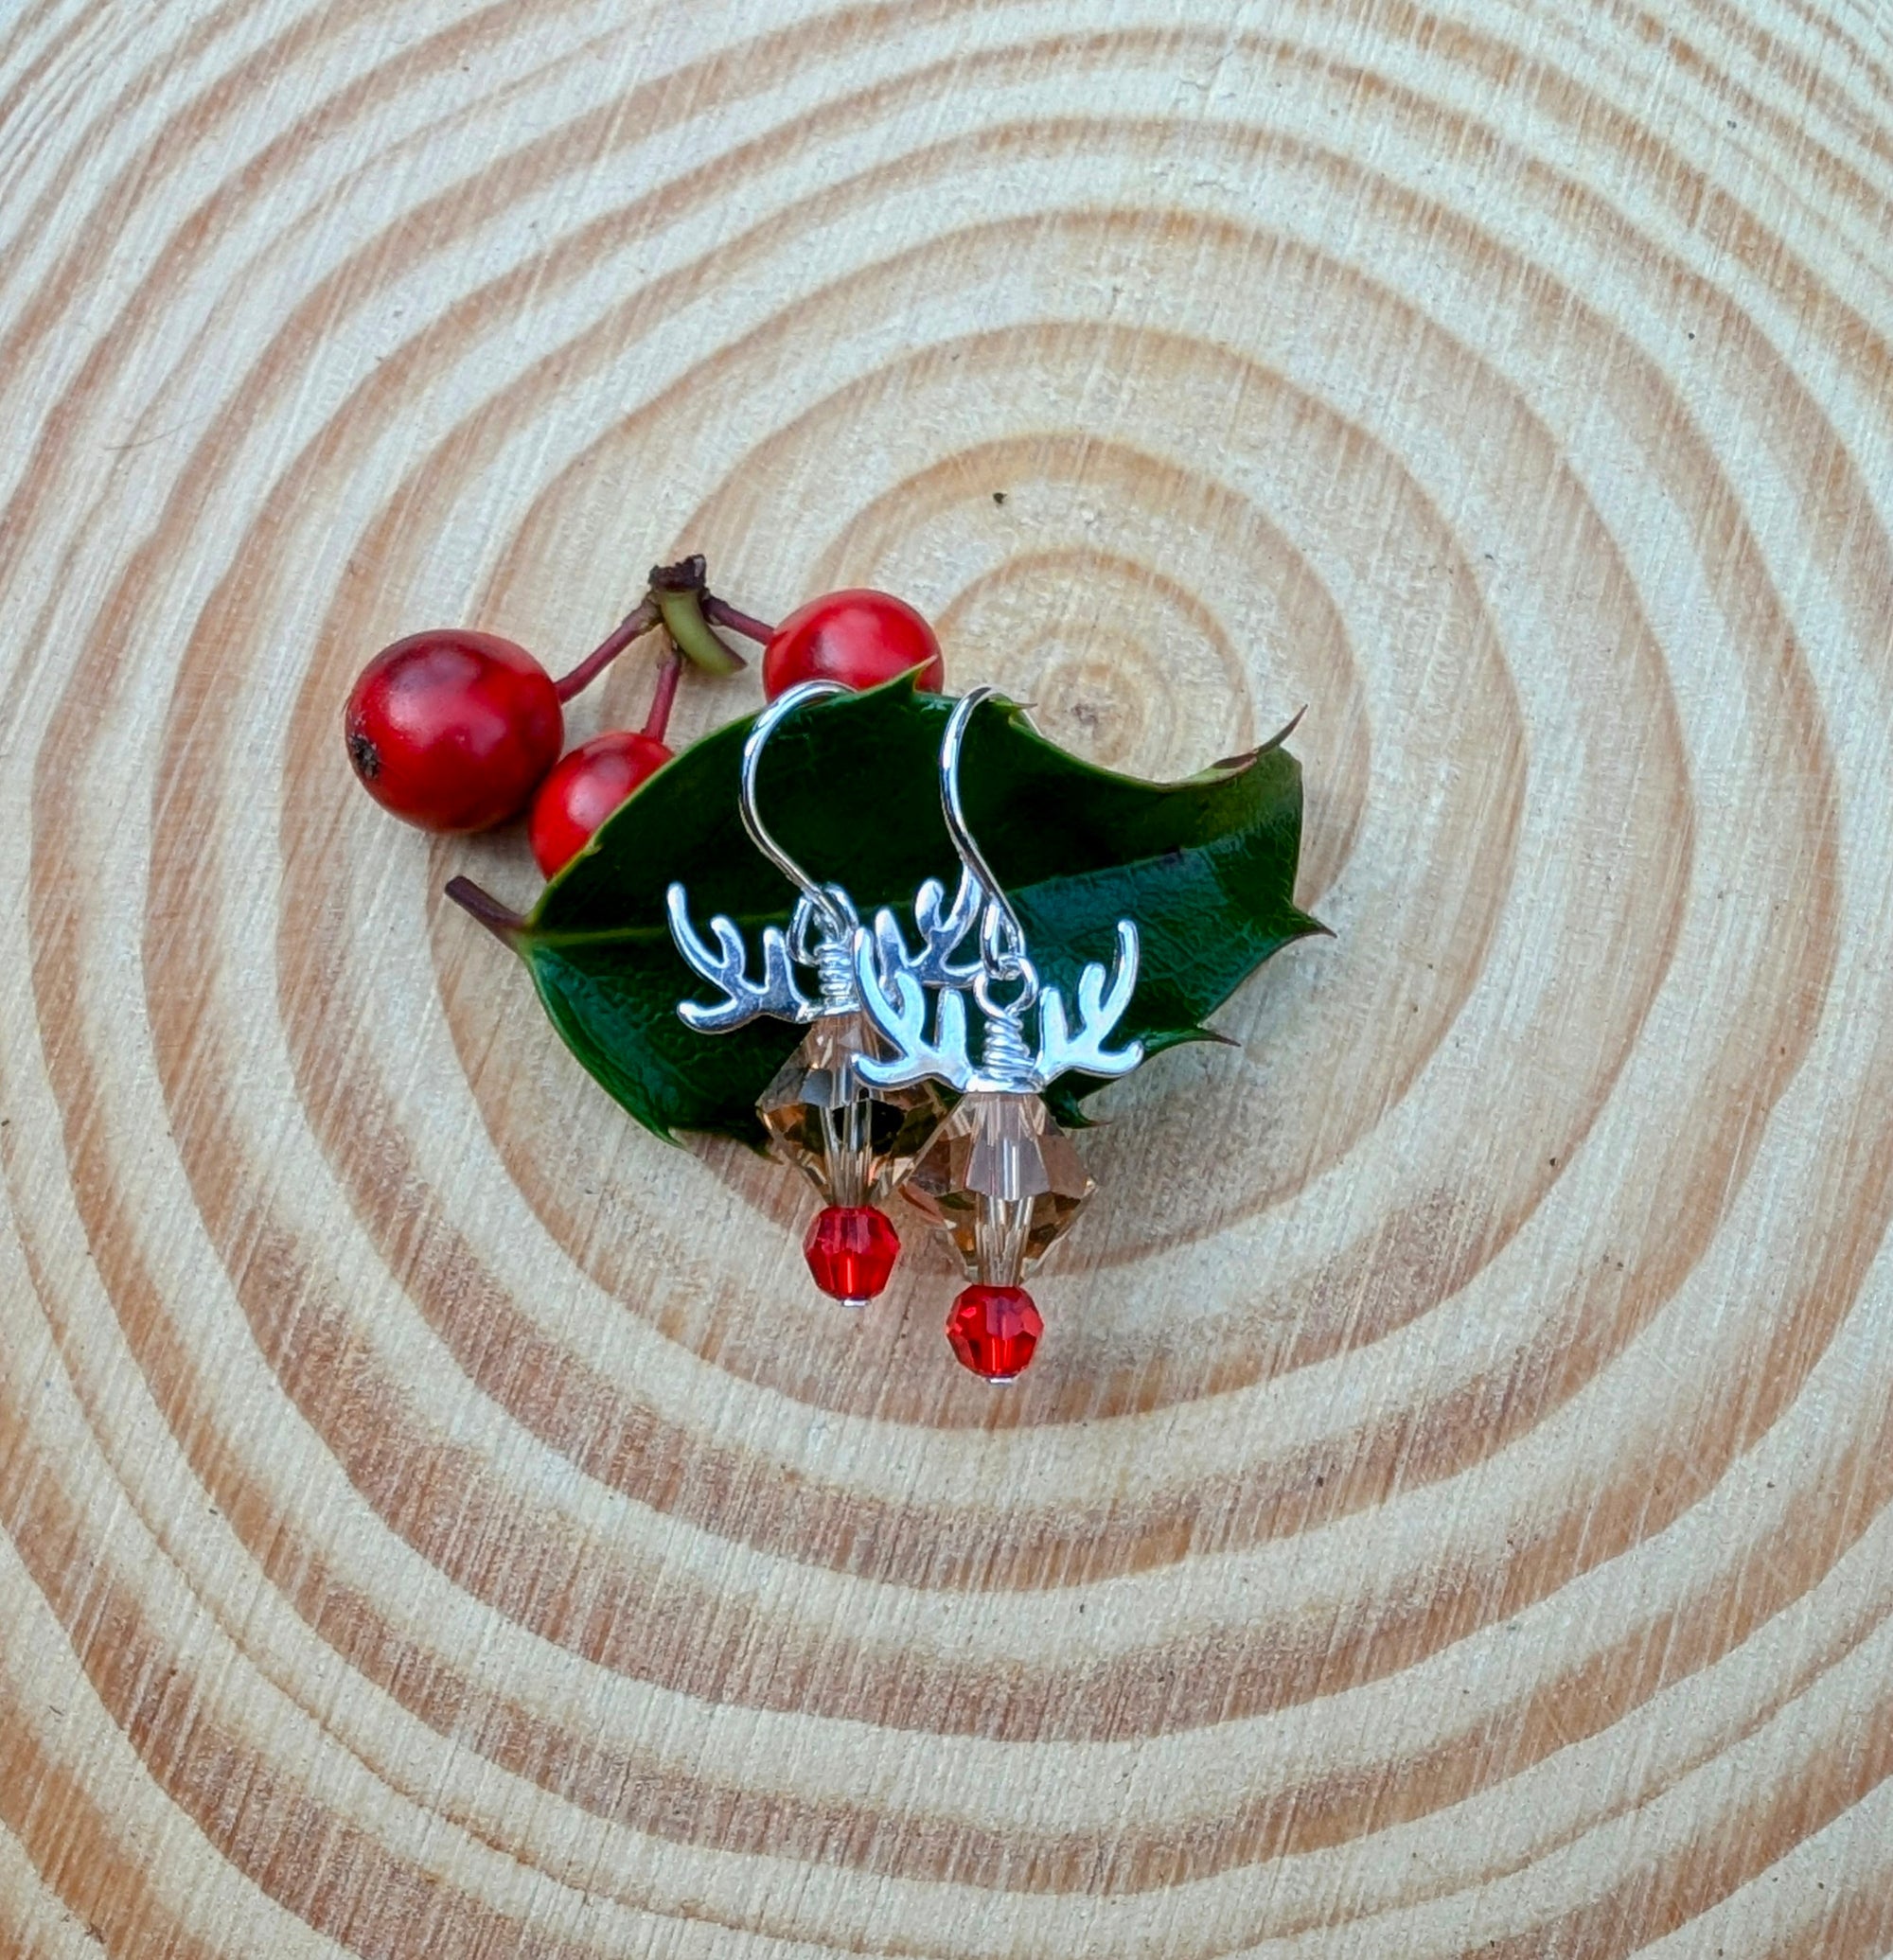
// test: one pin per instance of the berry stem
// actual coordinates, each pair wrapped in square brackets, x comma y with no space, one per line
[721,612]
[634,626]
[503,923]
[664,696]
[680,594]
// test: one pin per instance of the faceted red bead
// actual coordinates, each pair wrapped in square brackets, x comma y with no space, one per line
[994,1330]
[851,1250]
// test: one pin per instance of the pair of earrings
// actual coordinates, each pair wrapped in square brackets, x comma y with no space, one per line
[884,1094]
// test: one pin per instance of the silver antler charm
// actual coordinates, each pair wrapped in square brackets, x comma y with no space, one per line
[898,1011]
[896,1003]
[940,933]
[1099,1009]
[775,995]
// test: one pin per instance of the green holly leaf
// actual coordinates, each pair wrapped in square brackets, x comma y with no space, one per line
[849,785]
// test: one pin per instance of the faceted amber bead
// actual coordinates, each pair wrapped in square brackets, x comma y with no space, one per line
[1004,1182]
[851,1250]
[853,1142]
[994,1330]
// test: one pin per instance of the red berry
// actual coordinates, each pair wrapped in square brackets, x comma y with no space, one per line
[859,638]
[453,729]
[584,790]
[851,1250]
[994,1330]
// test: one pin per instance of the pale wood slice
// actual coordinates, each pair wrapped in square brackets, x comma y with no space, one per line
[1449,1514]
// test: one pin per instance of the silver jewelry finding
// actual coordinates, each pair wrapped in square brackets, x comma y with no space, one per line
[893,984]
[997,1177]
[821,930]
[853,1138]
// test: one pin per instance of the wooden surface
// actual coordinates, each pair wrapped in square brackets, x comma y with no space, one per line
[1450,1512]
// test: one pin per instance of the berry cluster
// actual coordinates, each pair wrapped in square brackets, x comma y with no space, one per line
[458,731]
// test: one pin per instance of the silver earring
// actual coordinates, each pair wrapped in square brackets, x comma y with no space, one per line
[999,1176]
[854,1138]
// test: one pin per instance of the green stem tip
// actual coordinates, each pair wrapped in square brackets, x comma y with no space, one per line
[679,592]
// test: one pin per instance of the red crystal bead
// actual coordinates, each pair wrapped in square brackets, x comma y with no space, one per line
[851,1250]
[994,1330]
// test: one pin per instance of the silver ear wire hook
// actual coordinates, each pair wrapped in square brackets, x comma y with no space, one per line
[1002,936]
[821,931]
[819,898]
[1002,951]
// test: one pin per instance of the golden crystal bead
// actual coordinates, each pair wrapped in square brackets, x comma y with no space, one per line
[1003,1180]
[854,1143]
